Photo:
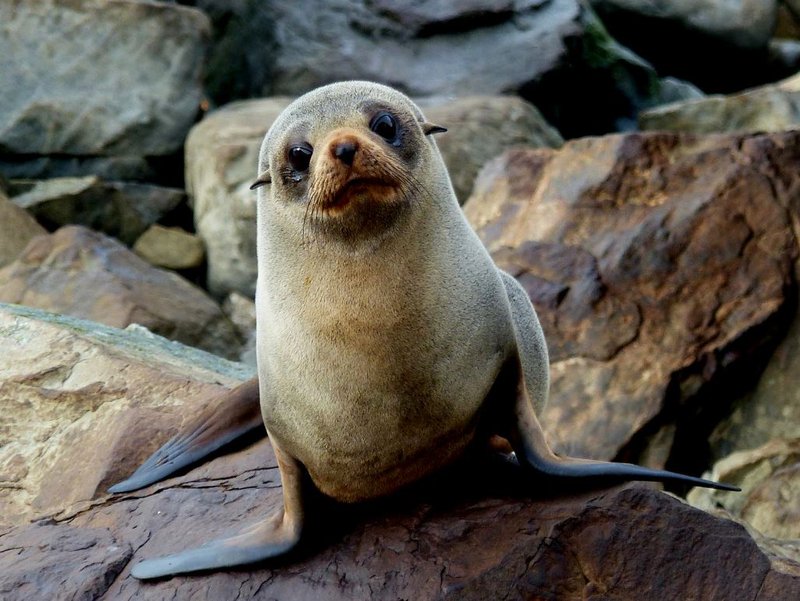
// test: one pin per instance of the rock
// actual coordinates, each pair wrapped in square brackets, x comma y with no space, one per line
[17,228]
[95,78]
[659,264]
[140,169]
[768,108]
[56,551]
[445,541]
[83,404]
[221,163]
[222,156]
[241,310]
[769,477]
[82,273]
[573,71]
[718,45]
[426,49]
[746,23]
[481,127]
[771,409]
[120,209]
[170,247]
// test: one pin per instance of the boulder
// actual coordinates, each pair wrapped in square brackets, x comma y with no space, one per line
[170,247]
[92,78]
[769,477]
[719,45]
[222,157]
[772,107]
[120,209]
[660,265]
[221,163]
[17,228]
[769,410]
[474,534]
[745,23]
[572,70]
[83,404]
[85,274]
[481,127]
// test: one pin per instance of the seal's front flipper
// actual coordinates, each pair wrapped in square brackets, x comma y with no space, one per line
[532,450]
[230,415]
[275,536]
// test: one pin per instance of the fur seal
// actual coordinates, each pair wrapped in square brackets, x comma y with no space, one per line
[388,340]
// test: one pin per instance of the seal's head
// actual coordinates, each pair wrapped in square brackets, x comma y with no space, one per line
[342,160]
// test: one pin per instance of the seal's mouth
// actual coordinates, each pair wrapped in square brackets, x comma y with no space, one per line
[358,187]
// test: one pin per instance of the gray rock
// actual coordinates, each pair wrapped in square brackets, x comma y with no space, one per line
[85,274]
[772,409]
[120,209]
[774,107]
[170,247]
[88,77]
[424,48]
[481,127]
[221,163]
[17,228]
[769,477]
[745,23]
[108,168]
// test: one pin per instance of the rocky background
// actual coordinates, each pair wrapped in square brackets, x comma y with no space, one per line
[633,163]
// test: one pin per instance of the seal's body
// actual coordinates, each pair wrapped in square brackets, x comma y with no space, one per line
[388,341]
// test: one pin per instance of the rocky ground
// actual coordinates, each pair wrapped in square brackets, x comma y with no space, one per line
[633,164]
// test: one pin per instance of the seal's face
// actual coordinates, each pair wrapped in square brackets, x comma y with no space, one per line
[343,157]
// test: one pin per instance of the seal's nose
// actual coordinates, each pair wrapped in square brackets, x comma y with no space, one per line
[345,151]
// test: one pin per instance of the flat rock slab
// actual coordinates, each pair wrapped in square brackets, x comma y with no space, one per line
[474,534]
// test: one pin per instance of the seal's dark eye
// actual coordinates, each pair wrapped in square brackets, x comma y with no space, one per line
[299,157]
[385,126]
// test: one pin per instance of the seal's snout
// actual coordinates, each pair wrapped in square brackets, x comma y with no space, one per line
[345,150]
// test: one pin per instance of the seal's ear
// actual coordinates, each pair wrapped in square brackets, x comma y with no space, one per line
[430,128]
[262,180]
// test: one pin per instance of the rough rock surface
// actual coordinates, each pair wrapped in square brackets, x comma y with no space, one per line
[474,534]
[773,107]
[222,158]
[769,477]
[81,405]
[747,23]
[140,60]
[772,408]
[17,227]
[82,273]
[481,127]
[221,163]
[425,48]
[641,254]
[120,209]
[170,247]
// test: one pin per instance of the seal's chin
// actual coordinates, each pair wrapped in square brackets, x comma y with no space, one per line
[366,190]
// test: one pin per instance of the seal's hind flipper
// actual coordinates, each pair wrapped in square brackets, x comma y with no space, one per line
[275,536]
[532,450]
[232,414]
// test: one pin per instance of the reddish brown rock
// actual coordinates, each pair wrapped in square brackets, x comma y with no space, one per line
[657,262]
[82,273]
[475,534]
